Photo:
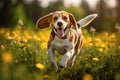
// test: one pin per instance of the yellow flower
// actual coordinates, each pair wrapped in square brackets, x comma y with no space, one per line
[97,40]
[7,57]
[40,66]
[119,47]
[87,77]
[46,76]
[103,45]
[43,45]
[112,36]
[2,46]
[100,49]
[90,44]
[3,30]
[95,59]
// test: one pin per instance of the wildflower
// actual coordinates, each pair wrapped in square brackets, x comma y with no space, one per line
[105,33]
[117,27]
[90,44]
[87,77]
[43,45]
[2,46]
[2,30]
[112,36]
[97,40]
[46,76]
[103,45]
[7,57]
[100,49]
[95,59]
[40,66]
[92,29]
[20,22]
[119,47]
[35,37]
[10,38]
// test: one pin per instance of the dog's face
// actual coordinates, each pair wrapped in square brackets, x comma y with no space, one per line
[60,20]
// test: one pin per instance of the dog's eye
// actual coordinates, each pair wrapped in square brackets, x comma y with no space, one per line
[55,18]
[65,17]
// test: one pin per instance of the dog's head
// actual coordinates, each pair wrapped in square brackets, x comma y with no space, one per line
[61,22]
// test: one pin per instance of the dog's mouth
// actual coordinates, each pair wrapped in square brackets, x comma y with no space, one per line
[60,32]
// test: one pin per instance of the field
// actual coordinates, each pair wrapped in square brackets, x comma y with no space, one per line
[24,56]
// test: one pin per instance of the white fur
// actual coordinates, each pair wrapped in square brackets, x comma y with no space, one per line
[60,20]
[64,46]
[85,21]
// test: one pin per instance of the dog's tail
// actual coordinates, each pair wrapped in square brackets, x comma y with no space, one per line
[85,21]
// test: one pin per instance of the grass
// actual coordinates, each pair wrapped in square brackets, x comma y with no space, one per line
[24,56]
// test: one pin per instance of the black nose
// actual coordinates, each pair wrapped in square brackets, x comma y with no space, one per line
[59,24]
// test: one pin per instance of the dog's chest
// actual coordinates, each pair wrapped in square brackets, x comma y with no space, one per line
[61,45]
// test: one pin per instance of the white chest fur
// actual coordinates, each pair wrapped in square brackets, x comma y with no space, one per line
[62,45]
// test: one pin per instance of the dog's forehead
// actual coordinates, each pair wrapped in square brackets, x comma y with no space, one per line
[63,13]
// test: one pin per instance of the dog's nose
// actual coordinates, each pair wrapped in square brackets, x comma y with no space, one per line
[59,24]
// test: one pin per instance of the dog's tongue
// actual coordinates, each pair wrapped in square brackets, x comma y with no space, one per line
[60,33]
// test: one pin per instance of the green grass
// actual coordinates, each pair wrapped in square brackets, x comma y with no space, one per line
[24,57]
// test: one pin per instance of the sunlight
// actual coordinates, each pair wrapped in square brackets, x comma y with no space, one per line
[72,2]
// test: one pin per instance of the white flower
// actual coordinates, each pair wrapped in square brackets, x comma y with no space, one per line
[20,22]
[92,29]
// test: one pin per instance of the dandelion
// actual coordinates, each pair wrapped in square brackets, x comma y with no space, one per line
[119,47]
[2,46]
[20,22]
[92,29]
[117,27]
[43,45]
[10,38]
[106,34]
[7,57]
[46,76]
[95,59]
[87,77]
[90,44]
[40,66]
[97,40]
[103,45]
[112,36]
[100,49]
[2,30]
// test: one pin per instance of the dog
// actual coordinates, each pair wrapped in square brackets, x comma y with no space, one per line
[66,35]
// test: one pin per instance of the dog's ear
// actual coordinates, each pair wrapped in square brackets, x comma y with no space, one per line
[44,21]
[73,22]
[85,21]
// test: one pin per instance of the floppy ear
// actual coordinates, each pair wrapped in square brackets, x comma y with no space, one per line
[85,21]
[44,21]
[73,21]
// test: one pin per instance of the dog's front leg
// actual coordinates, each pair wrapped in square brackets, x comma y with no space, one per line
[66,57]
[52,60]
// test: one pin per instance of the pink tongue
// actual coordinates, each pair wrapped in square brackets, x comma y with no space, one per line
[60,33]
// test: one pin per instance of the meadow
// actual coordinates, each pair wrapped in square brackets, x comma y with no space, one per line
[24,56]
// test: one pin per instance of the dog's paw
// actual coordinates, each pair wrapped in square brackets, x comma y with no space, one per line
[62,64]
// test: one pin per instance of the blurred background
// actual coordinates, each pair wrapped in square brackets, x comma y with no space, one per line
[31,10]
[23,47]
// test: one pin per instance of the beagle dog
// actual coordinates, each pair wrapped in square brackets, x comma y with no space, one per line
[66,35]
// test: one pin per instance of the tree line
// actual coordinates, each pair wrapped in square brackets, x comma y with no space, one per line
[10,12]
